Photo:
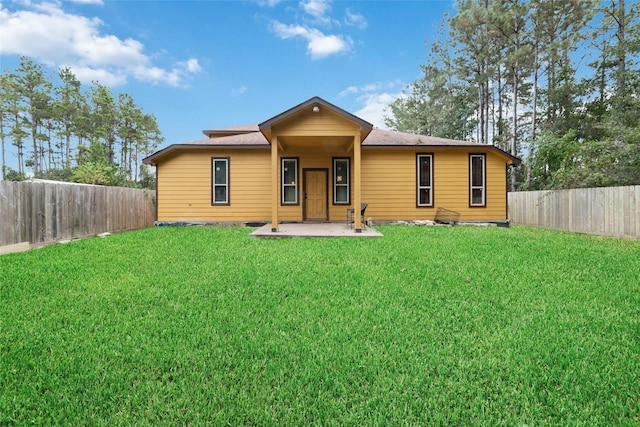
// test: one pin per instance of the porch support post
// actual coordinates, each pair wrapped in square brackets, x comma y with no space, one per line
[274,184]
[357,195]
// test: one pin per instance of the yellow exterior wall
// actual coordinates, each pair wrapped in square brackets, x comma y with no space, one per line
[184,186]
[315,157]
[322,123]
[388,184]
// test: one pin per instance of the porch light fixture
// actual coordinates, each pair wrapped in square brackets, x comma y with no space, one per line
[316,109]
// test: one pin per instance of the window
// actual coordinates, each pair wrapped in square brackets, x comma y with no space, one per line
[425,179]
[477,190]
[289,176]
[220,174]
[341,183]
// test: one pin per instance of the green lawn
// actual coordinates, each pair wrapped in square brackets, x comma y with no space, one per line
[428,325]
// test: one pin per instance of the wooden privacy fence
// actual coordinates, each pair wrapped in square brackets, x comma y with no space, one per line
[39,212]
[608,211]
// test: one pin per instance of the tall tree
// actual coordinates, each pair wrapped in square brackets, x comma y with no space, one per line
[8,101]
[129,130]
[35,91]
[151,138]
[470,33]
[12,112]
[437,104]
[510,20]
[108,133]
[68,108]
[104,119]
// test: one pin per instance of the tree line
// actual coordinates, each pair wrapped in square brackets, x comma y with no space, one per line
[56,129]
[555,82]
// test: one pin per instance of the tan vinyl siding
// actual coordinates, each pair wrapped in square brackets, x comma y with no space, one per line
[184,185]
[313,157]
[389,184]
[322,123]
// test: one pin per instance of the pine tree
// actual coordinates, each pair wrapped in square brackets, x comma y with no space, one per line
[35,93]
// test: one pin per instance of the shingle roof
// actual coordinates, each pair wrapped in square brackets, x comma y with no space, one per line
[244,138]
[258,135]
[249,136]
[379,137]
[230,131]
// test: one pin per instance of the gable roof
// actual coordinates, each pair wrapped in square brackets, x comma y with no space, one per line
[250,137]
[309,104]
[257,135]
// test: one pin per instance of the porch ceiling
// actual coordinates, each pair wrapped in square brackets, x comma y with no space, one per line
[327,143]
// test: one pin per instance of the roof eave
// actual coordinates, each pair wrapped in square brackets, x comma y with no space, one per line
[152,159]
[224,132]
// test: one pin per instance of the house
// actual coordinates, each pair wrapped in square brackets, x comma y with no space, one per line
[315,160]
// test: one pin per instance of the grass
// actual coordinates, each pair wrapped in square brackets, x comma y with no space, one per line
[428,325]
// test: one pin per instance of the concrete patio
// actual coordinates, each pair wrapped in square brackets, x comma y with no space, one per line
[324,229]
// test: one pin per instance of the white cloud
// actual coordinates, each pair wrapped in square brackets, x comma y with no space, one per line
[355,19]
[374,99]
[348,91]
[88,74]
[319,45]
[317,13]
[96,2]
[316,8]
[49,34]
[191,65]
[372,87]
[268,3]
[238,90]
[375,107]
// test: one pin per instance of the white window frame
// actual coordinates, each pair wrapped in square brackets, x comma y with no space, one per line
[419,180]
[214,185]
[284,185]
[483,186]
[347,184]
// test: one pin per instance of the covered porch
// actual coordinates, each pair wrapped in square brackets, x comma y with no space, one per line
[315,165]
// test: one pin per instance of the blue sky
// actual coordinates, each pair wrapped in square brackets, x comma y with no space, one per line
[209,64]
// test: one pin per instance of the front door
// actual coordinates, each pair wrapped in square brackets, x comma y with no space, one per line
[315,192]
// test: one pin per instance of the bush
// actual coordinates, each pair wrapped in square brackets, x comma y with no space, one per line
[12,174]
[98,174]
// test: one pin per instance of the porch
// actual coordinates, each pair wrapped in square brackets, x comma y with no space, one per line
[319,144]
[313,230]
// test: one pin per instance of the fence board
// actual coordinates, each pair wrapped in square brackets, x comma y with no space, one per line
[40,212]
[608,211]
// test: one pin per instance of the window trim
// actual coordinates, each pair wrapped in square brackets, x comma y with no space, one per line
[335,183]
[419,187]
[482,187]
[227,184]
[296,185]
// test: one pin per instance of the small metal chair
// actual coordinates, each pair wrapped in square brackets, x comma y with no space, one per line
[351,213]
